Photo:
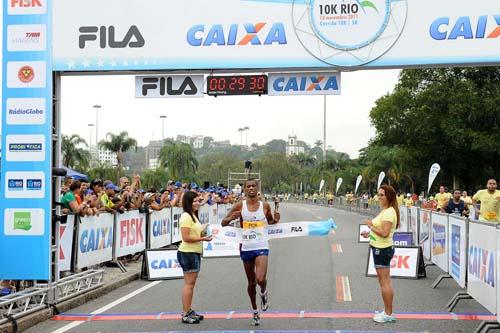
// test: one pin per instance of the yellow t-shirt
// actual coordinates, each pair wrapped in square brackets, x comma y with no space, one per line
[388,214]
[195,230]
[408,202]
[442,199]
[490,206]
[400,199]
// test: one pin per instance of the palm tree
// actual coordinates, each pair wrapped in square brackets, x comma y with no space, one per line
[318,143]
[303,160]
[179,159]
[241,129]
[74,156]
[118,144]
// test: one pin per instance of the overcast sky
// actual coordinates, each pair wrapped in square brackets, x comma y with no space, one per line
[348,125]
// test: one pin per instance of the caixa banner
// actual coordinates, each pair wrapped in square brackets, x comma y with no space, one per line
[273,34]
[304,84]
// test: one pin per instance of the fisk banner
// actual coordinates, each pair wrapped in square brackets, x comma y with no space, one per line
[304,84]
[130,233]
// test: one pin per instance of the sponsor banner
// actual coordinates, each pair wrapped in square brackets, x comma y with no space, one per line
[26,163]
[481,261]
[358,181]
[434,170]
[439,240]
[160,228]
[403,239]
[130,233]
[362,228]
[280,84]
[281,230]
[212,214]
[404,264]
[204,214]
[224,244]
[290,34]
[176,227]
[26,111]
[404,219]
[413,211]
[66,243]
[381,177]
[424,237]
[163,264]
[169,86]
[457,256]
[27,37]
[95,240]
[339,182]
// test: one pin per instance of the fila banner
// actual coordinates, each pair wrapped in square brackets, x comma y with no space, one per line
[130,233]
[303,84]
[169,86]
[272,34]
[95,240]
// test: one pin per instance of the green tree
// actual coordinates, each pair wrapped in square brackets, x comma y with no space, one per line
[276,171]
[73,154]
[103,171]
[179,159]
[118,144]
[214,167]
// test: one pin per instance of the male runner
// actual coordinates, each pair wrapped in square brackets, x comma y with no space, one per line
[254,215]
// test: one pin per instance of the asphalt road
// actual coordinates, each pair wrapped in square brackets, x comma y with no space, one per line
[304,274]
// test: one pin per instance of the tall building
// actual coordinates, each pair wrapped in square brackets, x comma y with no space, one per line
[197,141]
[152,151]
[103,156]
[292,146]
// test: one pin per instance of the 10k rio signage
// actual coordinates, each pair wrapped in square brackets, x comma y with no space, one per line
[25,199]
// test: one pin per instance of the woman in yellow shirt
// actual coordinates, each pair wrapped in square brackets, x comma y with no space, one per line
[381,231]
[189,252]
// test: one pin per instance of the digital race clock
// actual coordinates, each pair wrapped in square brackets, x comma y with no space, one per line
[237,85]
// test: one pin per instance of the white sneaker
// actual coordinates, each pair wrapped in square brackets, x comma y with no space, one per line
[383,317]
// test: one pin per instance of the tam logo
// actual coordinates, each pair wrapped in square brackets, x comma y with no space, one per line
[444,28]
[236,34]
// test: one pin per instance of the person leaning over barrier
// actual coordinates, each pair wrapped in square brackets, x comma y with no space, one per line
[70,204]
[381,231]
[189,253]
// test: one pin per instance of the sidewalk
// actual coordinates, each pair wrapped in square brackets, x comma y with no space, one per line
[113,278]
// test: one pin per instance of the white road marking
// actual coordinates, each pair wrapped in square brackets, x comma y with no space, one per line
[107,307]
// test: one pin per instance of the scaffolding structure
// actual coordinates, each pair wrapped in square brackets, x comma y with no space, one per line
[234,178]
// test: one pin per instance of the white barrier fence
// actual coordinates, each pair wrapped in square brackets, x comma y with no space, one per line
[92,240]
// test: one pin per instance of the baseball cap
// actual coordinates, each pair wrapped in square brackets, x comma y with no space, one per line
[178,184]
[148,196]
[194,186]
[113,187]
[141,190]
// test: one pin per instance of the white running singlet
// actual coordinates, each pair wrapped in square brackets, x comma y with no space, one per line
[254,235]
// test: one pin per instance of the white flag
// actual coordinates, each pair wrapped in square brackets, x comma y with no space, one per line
[381,177]
[321,184]
[432,175]
[339,182]
[358,181]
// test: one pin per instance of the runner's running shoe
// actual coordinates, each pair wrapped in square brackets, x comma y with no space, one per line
[189,318]
[264,301]
[256,318]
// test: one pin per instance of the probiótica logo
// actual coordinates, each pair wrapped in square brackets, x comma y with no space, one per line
[25,147]
[465,27]
[237,34]
[349,24]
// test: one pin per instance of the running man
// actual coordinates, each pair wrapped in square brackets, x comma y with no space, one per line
[254,216]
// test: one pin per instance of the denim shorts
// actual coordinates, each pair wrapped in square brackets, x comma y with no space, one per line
[249,256]
[189,261]
[382,257]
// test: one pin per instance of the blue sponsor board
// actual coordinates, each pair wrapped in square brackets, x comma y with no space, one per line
[26,90]
[455,251]
[403,239]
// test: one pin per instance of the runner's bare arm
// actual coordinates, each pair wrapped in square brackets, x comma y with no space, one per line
[234,213]
[271,218]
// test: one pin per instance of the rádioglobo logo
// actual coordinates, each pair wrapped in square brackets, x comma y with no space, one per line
[25,111]
[237,34]
[465,27]
[106,37]
[349,24]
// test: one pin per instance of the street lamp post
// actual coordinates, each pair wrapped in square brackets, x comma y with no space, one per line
[97,107]
[90,135]
[163,117]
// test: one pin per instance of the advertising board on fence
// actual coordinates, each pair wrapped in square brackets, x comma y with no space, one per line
[204,214]
[218,247]
[424,237]
[160,228]
[403,239]
[212,214]
[95,240]
[130,233]
[404,264]
[221,213]
[162,264]
[404,219]
[481,264]
[176,227]
[66,243]
[457,258]
[413,219]
[439,239]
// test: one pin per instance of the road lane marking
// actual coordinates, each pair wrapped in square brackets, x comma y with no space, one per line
[343,289]
[92,316]
[337,248]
